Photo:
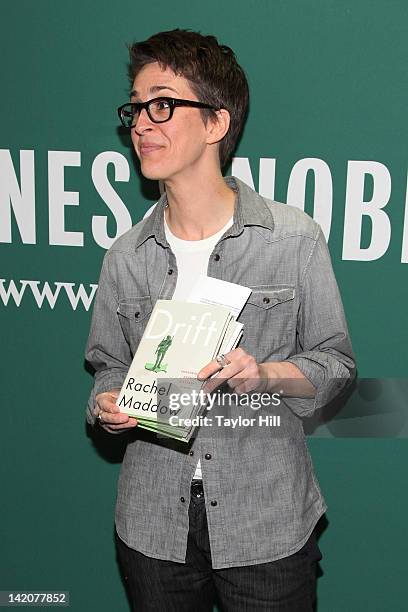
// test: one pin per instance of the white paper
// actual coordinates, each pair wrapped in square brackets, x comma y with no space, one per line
[208,290]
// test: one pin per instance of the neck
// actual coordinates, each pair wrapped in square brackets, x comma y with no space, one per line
[200,207]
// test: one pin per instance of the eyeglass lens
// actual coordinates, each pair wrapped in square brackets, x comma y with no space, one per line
[159,110]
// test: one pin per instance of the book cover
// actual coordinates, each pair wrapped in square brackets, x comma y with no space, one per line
[180,338]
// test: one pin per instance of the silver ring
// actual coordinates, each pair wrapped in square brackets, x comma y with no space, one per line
[99,416]
[222,361]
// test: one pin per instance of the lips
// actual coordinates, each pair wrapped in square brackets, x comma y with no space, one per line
[147,148]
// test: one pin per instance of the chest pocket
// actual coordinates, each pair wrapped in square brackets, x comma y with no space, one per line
[269,296]
[269,318]
[133,315]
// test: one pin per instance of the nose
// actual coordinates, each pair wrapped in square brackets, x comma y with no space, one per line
[143,122]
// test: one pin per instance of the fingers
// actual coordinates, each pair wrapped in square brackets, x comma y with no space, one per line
[213,383]
[118,428]
[242,373]
[216,373]
[108,412]
[209,370]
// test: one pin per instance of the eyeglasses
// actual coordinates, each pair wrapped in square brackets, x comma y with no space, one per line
[159,110]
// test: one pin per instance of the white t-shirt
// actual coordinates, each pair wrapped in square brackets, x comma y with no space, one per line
[192,261]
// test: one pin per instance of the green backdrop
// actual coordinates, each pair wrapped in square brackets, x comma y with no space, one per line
[328,86]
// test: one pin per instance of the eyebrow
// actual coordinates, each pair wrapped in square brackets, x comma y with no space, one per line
[154,89]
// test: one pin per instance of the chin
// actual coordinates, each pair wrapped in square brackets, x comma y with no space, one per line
[154,172]
[149,171]
[153,175]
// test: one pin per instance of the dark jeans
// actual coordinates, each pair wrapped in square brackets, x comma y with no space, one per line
[154,585]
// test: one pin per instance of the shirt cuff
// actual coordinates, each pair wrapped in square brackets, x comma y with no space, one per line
[327,378]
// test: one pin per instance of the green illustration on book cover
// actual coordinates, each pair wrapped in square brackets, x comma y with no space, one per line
[160,352]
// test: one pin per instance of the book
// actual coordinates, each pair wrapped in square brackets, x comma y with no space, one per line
[179,340]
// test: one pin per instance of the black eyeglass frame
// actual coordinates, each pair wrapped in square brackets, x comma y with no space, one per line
[173,102]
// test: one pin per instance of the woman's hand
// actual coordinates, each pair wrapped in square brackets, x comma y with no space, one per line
[242,373]
[109,415]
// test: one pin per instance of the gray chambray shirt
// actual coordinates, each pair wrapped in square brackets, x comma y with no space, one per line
[261,495]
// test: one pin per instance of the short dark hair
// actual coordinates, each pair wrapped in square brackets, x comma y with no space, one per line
[212,70]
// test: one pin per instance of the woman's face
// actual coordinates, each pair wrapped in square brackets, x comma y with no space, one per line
[178,146]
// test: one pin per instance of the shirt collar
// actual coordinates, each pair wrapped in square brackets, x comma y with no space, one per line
[250,209]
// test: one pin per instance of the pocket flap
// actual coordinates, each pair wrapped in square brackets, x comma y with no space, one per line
[137,308]
[268,296]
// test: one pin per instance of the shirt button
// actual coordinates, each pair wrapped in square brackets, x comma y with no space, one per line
[266,300]
[191,453]
[207,456]
[170,272]
[182,499]
[137,314]
[214,502]
[217,257]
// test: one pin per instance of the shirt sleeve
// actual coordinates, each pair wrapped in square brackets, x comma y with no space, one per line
[325,354]
[107,350]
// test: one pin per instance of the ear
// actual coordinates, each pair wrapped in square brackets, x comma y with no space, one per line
[218,126]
